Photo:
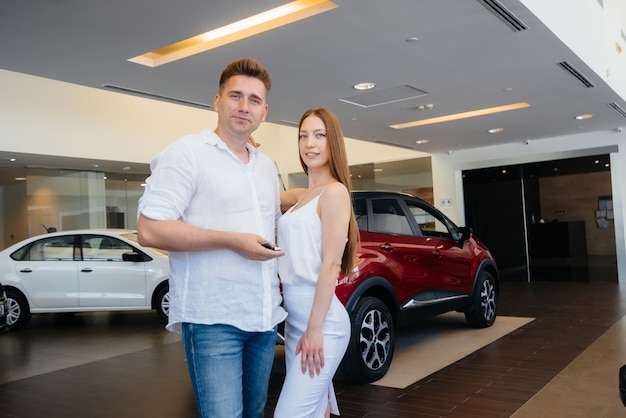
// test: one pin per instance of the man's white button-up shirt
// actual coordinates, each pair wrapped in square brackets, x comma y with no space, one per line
[199,181]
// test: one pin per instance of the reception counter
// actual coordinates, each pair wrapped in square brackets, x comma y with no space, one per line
[558,251]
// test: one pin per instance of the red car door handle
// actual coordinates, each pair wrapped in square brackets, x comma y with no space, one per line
[437,254]
[387,247]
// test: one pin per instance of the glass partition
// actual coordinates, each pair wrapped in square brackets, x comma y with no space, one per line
[63,200]
[412,176]
[122,197]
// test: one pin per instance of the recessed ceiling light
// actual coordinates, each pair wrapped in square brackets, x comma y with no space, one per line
[364,86]
[495,130]
[20,178]
[377,170]
[464,115]
[583,117]
[421,141]
[250,26]
[412,39]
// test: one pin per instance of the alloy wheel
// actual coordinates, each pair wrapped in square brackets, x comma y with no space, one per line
[375,339]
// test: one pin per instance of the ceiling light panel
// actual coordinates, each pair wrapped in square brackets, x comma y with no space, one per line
[253,25]
[386,96]
[464,115]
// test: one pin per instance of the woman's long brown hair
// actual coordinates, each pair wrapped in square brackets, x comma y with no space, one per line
[338,162]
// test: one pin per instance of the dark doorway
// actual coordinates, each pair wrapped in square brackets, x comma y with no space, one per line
[542,221]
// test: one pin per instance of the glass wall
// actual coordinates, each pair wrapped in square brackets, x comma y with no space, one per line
[412,176]
[52,199]
[122,196]
[64,200]
[45,200]
[543,221]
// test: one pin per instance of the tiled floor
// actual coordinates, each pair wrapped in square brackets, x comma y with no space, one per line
[562,364]
[587,386]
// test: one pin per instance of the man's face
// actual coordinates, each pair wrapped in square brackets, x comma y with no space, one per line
[241,106]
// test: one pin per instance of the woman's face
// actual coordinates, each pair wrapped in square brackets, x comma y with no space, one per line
[313,143]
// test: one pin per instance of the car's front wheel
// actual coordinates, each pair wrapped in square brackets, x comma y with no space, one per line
[372,342]
[162,302]
[484,308]
[18,313]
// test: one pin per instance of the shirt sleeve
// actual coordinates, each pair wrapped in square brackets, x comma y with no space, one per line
[171,183]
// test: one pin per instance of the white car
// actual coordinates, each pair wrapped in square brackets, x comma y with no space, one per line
[83,271]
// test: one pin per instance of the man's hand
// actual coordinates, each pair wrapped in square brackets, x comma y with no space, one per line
[251,247]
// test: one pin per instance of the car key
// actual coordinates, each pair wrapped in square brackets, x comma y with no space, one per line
[269,246]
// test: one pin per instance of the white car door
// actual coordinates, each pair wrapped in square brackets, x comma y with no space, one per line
[48,274]
[105,280]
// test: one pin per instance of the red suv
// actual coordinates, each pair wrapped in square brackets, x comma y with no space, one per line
[414,263]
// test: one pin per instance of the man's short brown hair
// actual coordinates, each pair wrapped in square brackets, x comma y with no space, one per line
[248,67]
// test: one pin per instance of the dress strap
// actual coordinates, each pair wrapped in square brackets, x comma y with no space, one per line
[332,182]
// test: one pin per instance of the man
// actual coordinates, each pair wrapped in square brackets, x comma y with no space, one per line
[213,200]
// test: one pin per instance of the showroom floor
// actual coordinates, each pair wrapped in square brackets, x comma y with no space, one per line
[561,360]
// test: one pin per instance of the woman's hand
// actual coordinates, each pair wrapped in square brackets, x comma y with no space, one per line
[311,345]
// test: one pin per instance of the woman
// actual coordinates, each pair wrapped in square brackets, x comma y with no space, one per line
[319,236]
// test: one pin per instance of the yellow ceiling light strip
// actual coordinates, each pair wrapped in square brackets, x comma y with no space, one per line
[464,115]
[253,25]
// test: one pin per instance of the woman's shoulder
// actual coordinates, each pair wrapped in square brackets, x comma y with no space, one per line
[333,191]
[336,187]
[334,200]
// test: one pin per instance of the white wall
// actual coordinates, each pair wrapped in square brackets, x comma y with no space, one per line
[41,116]
[596,34]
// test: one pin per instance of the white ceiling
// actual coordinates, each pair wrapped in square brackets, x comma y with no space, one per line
[465,58]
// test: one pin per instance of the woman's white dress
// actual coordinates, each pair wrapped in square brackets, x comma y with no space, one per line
[300,235]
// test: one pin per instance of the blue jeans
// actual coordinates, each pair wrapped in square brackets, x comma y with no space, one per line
[229,369]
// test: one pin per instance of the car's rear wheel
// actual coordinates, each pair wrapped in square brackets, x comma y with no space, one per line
[162,302]
[18,313]
[484,308]
[372,342]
